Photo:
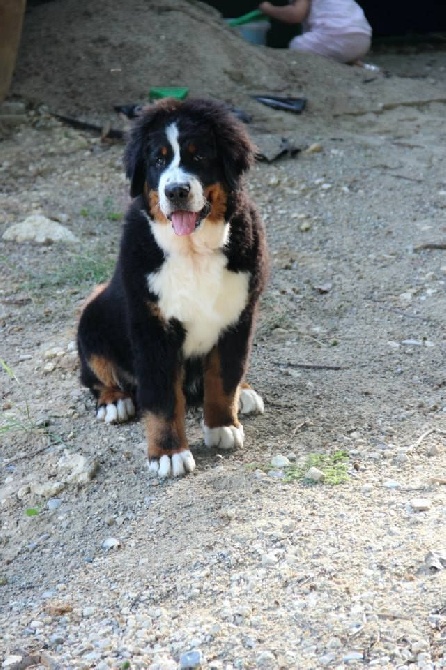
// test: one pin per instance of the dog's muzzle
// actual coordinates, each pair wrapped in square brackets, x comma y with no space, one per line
[184,220]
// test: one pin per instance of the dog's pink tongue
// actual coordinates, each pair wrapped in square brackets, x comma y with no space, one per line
[184,222]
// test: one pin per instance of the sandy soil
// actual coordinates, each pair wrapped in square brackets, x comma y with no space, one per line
[245,563]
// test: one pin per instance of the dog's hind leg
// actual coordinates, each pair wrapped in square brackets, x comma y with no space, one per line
[250,402]
[114,404]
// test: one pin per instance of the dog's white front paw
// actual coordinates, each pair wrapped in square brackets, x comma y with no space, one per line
[172,466]
[225,437]
[122,411]
[251,402]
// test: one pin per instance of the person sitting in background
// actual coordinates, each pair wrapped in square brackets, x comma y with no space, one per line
[336,29]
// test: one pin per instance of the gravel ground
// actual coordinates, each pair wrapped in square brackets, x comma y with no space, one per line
[247,563]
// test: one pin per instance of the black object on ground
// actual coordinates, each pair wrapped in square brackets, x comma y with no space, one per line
[296,105]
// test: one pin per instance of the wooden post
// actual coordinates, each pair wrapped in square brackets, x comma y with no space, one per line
[11,19]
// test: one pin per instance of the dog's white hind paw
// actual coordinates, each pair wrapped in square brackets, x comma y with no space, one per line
[122,411]
[251,402]
[225,437]
[172,466]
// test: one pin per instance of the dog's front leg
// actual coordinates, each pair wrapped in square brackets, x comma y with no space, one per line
[168,451]
[161,400]
[224,391]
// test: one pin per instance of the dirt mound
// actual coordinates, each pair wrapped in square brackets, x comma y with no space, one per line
[80,61]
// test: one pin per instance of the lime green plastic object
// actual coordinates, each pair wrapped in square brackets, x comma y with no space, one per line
[256,15]
[159,92]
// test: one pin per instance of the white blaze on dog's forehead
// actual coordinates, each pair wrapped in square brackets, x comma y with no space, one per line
[174,173]
[172,136]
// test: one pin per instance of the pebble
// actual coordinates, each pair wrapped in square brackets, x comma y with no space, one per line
[315,475]
[266,660]
[88,612]
[53,503]
[191,659]
[327,659]
[47,489]
[280,461]
[353,656]
[314,148]
[269,559]
[11,661]
[420,504]
[77,469]
[391,484]
[40,230]
[111,543]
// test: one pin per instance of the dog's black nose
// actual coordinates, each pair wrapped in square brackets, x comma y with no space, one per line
[177,192]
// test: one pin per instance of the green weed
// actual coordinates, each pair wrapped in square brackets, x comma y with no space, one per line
[74,272]
[334,466]
[106,211]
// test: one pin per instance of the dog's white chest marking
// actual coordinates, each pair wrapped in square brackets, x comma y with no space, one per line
[198,290]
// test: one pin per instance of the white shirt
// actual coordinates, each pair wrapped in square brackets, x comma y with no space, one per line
[335,17]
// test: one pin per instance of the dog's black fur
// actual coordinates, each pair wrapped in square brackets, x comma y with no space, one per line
[185,162]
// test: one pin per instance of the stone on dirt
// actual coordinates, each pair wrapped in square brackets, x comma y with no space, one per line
[40,230]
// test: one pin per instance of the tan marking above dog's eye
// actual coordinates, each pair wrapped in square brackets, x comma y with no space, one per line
[163,151]
[192,148]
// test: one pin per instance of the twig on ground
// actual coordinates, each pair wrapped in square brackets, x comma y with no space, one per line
[430,245]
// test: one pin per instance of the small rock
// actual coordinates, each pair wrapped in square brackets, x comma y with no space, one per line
[315,475]
[53,503]
[47,489]
[314,148]
[280,461]
[433,450]
[418,646]
[420,504]
[266,660]
[191,659]
[40,230]
[111,543]
[269,559]
[327,659]
[323,288]
[162,663]
[80,469]
[10,661]
[48,661]
[88,612]
[435,560]
[391,484]
[353,656]
[401,457]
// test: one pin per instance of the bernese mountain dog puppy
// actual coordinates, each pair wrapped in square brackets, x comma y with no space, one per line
[173,327]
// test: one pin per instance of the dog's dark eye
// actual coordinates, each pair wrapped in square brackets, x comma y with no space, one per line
[160,161]
[198,158]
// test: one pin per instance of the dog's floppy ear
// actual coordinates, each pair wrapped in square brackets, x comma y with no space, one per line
[234,146]
[135,168]
[134,155]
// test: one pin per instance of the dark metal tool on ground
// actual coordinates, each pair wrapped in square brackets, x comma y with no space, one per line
[287,104]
